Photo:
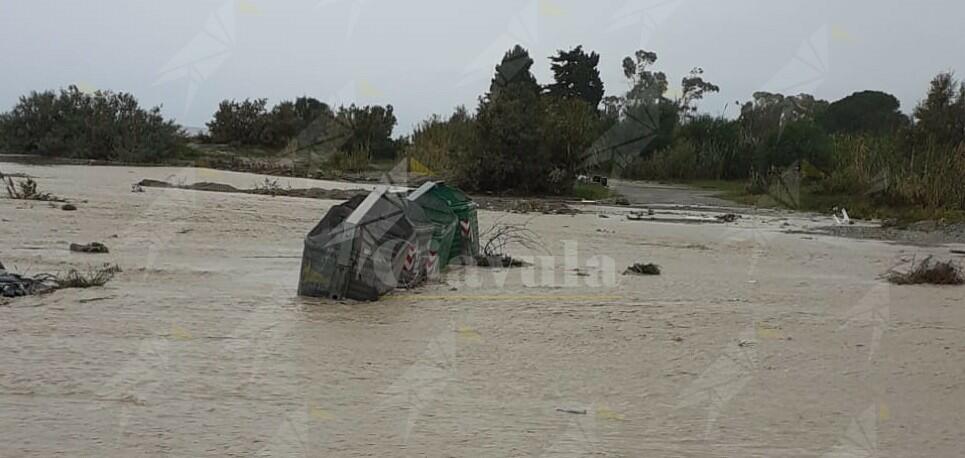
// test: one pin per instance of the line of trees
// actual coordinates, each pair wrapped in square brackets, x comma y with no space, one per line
[528,137]
[100,125]
[309,123]
[861,145]
[532,138]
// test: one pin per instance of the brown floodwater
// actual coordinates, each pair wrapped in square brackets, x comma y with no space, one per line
[752,342]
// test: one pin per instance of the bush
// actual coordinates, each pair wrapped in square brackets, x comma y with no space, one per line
[862,164]
[309,122]
[239,123]
[103,125]
[591,191]
[717,141]
[440,144]
[678,162]
[350,162]
[894,170]
[799,141]
[568,128]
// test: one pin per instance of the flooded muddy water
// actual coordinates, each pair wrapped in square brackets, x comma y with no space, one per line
[752,342]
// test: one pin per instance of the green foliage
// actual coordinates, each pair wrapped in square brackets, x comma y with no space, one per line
[568,129]
[644,121]
[871,112]
[576,75]
[508,119]
[239,122]
[718,143]
[676,162]
[767,114]
[591,191]
[514,71]
[356,161]
[440,144]
[800,140]
[102,125]
[693,89]
[309,122]
[520,139]
[862,164]
[508,155]
[368,127]
[941,116]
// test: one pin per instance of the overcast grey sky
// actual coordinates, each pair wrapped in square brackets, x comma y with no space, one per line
[427,57]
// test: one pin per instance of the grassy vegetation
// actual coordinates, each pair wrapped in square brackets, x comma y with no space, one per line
[813,198]
[591,191]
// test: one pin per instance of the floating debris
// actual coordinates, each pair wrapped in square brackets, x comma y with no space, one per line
[928,272]
[727,218]
[642,269]
[93,247]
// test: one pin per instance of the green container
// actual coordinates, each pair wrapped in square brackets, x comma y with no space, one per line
[453,214]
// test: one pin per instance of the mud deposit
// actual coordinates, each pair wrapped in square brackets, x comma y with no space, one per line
[752,341]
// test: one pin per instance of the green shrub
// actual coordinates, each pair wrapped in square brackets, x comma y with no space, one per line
[440,144]
[799,141]
[356,161]
[678,162]
[103,125]
[591,191]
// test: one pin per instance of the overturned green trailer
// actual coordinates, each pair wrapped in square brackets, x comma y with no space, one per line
[365,248]
[456,225]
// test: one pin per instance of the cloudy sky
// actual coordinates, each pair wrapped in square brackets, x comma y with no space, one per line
[426,57]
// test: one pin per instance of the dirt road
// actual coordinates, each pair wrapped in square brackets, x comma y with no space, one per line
[753,341]
[651,193]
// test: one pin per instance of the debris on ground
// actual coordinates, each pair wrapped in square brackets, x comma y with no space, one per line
[641,215]
[572,411]
[93,247]
[844,219]
[25,189]
[93,277]
[272,189]
[501,235]
[68,207]
[727,217]
[642,269]
[498,261]
[510,205]
[929,272]
[136,187]
[670,218]
[14,285]
[962,252]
